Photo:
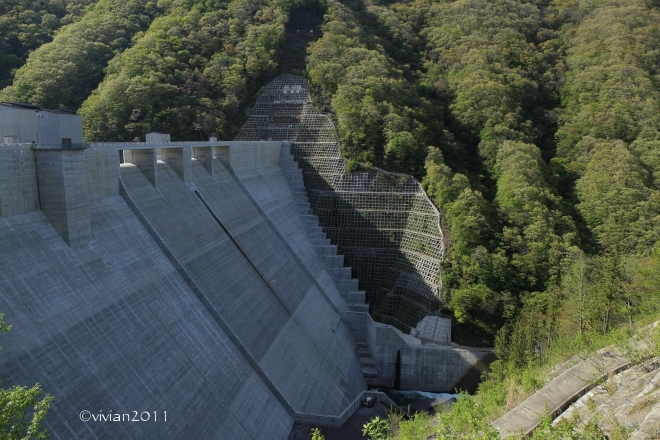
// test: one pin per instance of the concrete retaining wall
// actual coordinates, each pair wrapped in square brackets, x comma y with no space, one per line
[423,366]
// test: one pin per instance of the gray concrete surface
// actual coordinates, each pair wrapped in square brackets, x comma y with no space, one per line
[63,196]
[271,306]
[270,190]
[113,326]
[18,180]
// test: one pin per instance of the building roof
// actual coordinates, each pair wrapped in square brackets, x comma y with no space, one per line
[64,111]
[25,106]
[21,105]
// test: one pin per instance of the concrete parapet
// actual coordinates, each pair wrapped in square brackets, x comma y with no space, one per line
[245,156]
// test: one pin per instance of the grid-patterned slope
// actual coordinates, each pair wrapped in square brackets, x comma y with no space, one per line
[383,223]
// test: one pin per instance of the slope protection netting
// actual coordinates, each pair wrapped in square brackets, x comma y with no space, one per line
[383,223]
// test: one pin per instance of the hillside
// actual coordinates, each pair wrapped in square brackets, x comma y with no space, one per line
[533,126]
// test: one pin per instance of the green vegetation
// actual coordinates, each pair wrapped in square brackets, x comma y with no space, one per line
[506,386]
[25,25]
[62,73]
[17,404]
[192,73]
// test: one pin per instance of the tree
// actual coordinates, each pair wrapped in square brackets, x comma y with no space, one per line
[17,404]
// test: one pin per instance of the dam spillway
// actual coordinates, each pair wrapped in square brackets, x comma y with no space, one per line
[192,278]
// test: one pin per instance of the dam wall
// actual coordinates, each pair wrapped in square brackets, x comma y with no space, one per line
[268,187]
[113,324]
[199,284]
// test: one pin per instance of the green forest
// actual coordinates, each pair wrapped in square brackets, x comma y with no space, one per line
[532,124]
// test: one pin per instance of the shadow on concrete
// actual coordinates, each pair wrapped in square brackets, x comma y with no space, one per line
[470,380]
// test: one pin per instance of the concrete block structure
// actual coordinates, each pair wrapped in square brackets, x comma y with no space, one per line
[63,192]
[59,127]
[18,123]
[157,137]
[433,329]
[191,278]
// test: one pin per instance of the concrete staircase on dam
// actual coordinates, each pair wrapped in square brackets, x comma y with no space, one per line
[333,262]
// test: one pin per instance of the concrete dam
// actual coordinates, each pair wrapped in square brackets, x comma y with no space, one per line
[203,279]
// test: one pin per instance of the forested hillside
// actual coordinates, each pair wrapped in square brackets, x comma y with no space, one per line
[532,124]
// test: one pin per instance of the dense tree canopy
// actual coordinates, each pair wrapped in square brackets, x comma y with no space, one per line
[27,24]
[192,73]
[62,73]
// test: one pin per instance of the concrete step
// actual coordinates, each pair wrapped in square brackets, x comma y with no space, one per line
[316,236]
[323,247]
[340,273]
[310,218]
[347,285]
[305,211]
[355,297]
[357,307]
[313,229]
[367,361]
[330,261]
[370,372]
[364,352]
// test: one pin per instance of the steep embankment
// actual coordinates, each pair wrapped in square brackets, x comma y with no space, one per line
[625,404]
[608,139]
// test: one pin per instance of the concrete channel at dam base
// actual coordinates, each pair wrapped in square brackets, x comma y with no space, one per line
[191,278]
